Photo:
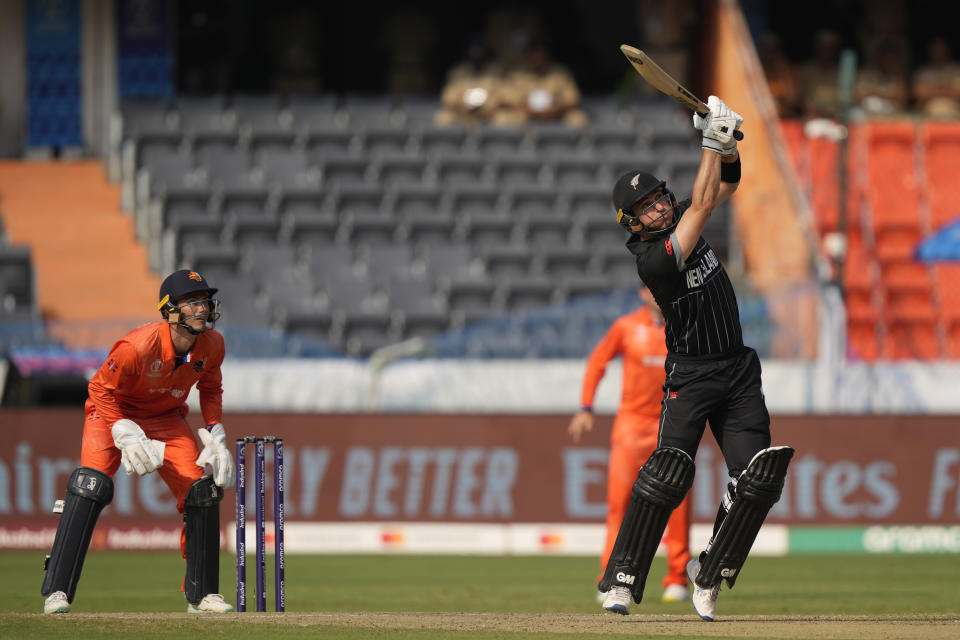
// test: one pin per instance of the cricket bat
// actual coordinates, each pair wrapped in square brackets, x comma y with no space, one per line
[662,82]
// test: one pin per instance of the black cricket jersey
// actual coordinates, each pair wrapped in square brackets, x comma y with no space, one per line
[694,293]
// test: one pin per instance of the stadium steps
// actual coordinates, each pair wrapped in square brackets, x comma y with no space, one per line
[90,270]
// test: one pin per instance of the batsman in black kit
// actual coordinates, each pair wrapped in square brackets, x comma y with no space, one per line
[711,377]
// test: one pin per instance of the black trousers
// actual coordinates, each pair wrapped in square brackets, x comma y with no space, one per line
[724,392]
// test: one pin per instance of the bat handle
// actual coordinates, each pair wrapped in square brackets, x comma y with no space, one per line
[738,135]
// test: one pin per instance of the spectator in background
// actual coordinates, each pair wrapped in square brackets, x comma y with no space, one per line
[936,85]
[882,87]
[818,77]
[782,76]
[541,89]
[474,91]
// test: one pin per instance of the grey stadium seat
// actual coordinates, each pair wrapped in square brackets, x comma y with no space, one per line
[434,139]
[16,275]
[474,200]
[369,228]
[504,261]
[582,169]
[575,286]
[460,169]
[310,228]
[534,199]
[385,259]
[469,294]
[395,169]
[304,201]
[590,200]
[407,199]
[247,229]
[545,229]
[607,140]
[325,142]
[519,171]
[384,139]
[354,199]
[528,292]
[505,141]
[213,262]
[188,232]
[489,229]
[326,260]
[603,231]
[560,261]
[618,265]
[421,228]
[350,292]
[363,332]
[245,200]
[556,139]
[340,171]
[450,260]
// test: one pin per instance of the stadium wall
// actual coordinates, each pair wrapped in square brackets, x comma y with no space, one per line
[507,483]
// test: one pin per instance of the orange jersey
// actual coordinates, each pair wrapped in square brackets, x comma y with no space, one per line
[641,342]
[138,381]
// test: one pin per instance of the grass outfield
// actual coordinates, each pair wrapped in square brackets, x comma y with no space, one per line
[531,596]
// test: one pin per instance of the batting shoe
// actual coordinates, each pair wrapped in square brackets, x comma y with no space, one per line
[601,596]
[618,600]
[675,593]
[56,602]
[211,603]
[704,600]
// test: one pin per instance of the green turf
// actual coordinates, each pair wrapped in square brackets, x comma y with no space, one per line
[149,582]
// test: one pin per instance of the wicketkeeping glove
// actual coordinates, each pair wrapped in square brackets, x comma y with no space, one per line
[718,126]
[137,452]
[216,454]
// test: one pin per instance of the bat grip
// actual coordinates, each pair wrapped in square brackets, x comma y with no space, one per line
[737,135]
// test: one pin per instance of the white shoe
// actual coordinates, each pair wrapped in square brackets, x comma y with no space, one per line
[211,603]
[601,596]
[675,593]
[618,600]
[704,600]
[56,602]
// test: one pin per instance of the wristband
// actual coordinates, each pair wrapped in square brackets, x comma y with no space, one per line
[730,171]
[587,408]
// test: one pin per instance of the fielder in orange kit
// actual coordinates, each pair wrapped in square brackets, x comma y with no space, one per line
[136,416]
[639,338]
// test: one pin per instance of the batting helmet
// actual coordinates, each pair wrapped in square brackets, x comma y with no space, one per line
[631,188]
[182,283]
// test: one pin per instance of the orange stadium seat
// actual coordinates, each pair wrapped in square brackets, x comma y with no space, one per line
[944,205]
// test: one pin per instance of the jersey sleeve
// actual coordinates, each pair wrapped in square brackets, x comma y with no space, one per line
[661,259]
[118,372]
[210,385]
[610,346]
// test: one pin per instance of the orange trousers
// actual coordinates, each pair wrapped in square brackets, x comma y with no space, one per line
[179,469]
[634,438]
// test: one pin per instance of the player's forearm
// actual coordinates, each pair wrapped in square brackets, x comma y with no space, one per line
[729,177]
[706,188]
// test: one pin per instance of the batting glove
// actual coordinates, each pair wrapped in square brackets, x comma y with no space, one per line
[216,454]
[718,126]
[137,452]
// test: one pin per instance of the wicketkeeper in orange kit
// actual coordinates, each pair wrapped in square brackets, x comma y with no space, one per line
[136,416]
[638,337]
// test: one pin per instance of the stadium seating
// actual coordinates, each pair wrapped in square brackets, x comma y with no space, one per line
[349,222]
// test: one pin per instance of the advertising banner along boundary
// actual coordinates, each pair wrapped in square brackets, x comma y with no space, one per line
[504,484]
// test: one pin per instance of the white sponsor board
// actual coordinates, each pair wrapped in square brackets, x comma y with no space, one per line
[537,386]
[453,538]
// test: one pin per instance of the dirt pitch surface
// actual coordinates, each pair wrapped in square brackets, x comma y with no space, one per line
[814,627]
